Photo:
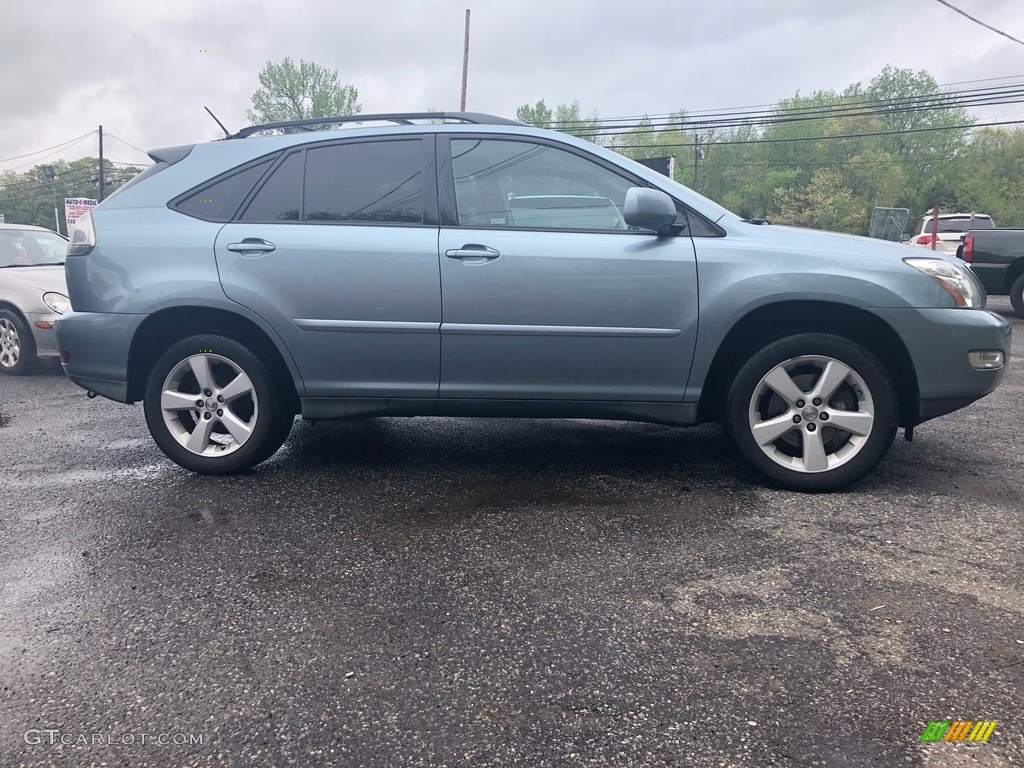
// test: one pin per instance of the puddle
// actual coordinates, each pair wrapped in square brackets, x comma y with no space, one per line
[214,517]
[131,442]
[98,476]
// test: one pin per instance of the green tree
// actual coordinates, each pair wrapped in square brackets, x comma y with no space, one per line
[290,92]
[567,118]
[646,139]
[928,140]
[538,115]
[28,198]
[989,178]
[827,203]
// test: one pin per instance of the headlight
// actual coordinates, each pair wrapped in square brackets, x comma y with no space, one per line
[958,282]
[58,302]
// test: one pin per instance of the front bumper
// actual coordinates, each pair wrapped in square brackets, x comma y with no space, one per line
[939,341]
[96,346]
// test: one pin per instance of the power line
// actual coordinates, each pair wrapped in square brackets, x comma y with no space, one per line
[40,151]
[31,183]
[825,138]
[685,126]
[127,144]
[945,100]
[39,160]
[979,21]
[30,187]
[770,107]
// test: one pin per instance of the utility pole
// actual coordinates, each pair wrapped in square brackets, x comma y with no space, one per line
[101,165]
[465,66]
[698,153]
[50,175]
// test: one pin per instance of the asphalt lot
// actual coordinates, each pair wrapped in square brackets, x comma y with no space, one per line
[534,593]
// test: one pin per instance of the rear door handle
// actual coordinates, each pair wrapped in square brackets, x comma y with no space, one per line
[471,253]
[252,245]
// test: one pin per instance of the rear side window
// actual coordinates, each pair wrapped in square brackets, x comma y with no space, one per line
[376,182]
[957,224]
[218,200]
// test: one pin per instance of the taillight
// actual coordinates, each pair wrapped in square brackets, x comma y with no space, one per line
[968,254]
[924,239]
[83,237]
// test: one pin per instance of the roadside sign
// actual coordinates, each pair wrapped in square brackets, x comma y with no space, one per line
[76,207]
[663,165]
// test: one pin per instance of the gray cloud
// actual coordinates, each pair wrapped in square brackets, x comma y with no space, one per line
[137,68]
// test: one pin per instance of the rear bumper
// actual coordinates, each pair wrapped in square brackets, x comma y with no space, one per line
[96,346]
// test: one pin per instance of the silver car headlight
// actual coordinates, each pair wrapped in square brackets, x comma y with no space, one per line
[958,282]
[58,302]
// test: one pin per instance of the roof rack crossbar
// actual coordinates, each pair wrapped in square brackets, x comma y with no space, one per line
[401,118]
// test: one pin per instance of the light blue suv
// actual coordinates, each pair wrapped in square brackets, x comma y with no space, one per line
[473,266]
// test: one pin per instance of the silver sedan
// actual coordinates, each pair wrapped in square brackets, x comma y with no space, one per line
[33,294]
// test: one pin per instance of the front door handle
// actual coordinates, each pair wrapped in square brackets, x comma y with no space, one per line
[471,253]
[255,246]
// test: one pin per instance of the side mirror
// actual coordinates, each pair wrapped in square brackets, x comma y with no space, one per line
[904,238]
[649,209]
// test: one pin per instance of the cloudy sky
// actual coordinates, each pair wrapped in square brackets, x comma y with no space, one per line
[144,70]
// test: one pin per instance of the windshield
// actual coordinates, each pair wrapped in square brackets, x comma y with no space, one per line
[958,224]
[31,248]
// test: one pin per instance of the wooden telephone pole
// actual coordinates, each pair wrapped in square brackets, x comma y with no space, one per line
[465,66]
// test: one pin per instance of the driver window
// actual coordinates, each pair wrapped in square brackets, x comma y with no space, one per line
[502,183]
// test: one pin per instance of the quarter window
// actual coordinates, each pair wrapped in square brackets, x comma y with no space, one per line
[280,198]
[220,200]
[378,182]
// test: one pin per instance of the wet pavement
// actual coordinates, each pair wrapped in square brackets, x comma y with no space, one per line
[469,592]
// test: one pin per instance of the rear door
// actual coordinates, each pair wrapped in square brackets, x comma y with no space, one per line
[547,293]
[337,250]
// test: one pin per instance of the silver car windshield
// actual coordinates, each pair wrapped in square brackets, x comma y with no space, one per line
[31,248]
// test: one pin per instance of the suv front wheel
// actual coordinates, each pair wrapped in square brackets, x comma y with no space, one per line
[812,412]
[213,407]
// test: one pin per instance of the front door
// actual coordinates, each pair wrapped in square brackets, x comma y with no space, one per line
[547,293]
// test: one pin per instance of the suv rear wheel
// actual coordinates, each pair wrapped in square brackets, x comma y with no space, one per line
[812,412]
[214,408]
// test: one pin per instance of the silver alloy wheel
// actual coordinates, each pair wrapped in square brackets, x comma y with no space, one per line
[209,405]
[811,413]
[10,343]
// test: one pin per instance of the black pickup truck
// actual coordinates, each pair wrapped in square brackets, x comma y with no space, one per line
[996,256]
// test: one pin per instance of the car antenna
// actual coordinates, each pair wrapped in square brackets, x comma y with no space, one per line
[227,133]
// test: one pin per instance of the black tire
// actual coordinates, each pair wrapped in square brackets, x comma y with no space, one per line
[788,453]
[1017,295]
[260,417]
[17,347]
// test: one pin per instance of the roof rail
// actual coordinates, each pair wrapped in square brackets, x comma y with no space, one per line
[402,118]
